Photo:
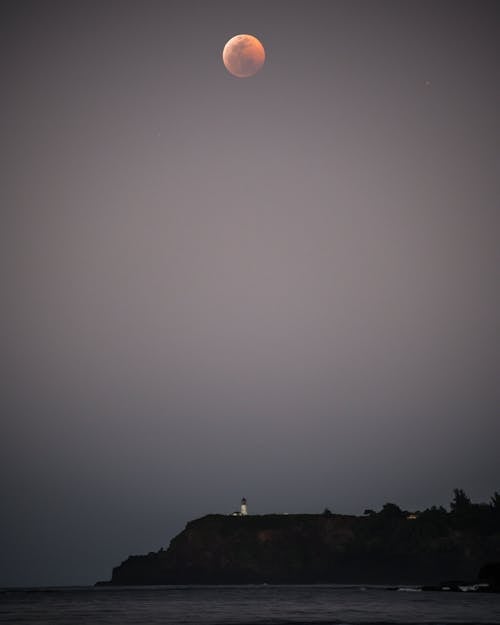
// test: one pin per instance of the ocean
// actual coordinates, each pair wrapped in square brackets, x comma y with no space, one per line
[243,605]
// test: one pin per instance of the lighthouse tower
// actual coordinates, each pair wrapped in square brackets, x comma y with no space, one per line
[243,507]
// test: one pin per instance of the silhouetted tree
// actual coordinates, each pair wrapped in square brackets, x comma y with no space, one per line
[460,502]
[495,501]
[391,510]
[327,512]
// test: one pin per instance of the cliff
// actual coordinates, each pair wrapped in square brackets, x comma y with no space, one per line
[376,548]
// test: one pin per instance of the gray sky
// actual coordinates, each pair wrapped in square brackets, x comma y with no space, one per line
[284,287]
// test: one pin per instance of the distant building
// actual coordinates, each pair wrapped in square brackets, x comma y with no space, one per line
[243,509]
[411,517]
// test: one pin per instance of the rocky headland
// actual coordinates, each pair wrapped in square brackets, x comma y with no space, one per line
[388,547]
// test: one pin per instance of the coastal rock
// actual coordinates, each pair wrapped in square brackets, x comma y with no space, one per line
[312,548]
[490,573]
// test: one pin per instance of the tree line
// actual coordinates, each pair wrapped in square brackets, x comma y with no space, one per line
[463,514]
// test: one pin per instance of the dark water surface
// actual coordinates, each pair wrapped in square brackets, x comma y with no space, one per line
[243,605]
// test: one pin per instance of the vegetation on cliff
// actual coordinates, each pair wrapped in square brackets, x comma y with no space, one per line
[389,546]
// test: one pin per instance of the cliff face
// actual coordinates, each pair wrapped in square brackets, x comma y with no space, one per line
[219,549]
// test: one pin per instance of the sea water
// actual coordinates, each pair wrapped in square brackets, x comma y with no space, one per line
[243,605]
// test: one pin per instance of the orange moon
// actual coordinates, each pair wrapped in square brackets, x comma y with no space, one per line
[243,55]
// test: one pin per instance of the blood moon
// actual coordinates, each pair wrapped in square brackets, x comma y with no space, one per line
[243,55]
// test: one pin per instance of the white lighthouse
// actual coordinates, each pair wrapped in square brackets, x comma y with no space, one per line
[243,507]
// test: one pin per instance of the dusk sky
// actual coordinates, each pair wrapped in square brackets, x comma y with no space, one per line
[284,287]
